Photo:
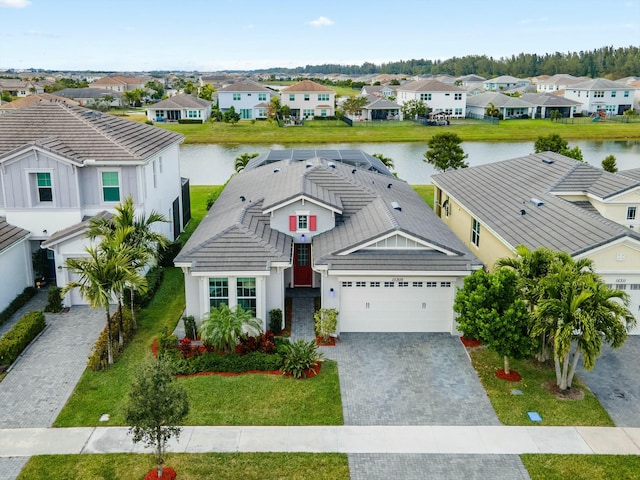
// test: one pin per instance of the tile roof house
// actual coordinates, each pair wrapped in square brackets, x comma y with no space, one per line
[438,96]
[90,96]
[15,262]
[179,107]
[119,83]
[35,98]
[60,164]
[249,99]
[600,94]
[548,200]
[19,88]
[308,99]
[504,82]
[333,220]
[534,105]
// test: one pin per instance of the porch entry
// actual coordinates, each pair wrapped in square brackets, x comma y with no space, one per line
[302,273]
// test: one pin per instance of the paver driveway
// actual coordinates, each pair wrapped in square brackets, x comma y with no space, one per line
[615,380]
[408,379]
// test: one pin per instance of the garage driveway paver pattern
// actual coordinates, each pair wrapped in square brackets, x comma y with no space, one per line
[408,379]
[615,381]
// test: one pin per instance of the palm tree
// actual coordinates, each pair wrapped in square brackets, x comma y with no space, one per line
[242,160]
[135,233]
[100,275]
[223,326]
[386,160]
[577,308]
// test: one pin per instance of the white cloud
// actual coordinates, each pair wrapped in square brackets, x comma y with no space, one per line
[321,22]
[14,3]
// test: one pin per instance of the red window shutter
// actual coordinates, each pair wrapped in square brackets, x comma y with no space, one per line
[293,223]
[312,223]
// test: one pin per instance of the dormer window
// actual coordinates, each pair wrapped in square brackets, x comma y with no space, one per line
[303,222]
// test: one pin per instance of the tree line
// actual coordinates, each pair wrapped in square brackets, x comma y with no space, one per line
[608,62]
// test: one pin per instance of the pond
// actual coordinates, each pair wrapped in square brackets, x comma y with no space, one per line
[212,164]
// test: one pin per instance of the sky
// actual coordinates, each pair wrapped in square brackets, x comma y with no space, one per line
[212,35]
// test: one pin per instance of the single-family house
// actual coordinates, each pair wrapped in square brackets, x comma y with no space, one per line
[119,83]
[249,99]
[548,200]
[557,82]
[179,107]
[35,98]
[336,221]
[60,164]
[545,103]
[600,94]
[470,82]
[380,108]
[15,262]
[440,97]
[385,91]
[308,99]
[88,97]
[19,88]
[509,107]
[504,82]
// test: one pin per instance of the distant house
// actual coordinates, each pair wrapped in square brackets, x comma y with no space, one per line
[87,97]
[470,82]
[504,82]
[15,262]
[179,107]
[119,83]
[440,97]
[557,82]
[509,107]
[19,88]
[249,99]
[545,103]
[308,99]
[378,90]
[333,220]
[35,98]
[61,164]
[548,200]
[380,109]
[601,94]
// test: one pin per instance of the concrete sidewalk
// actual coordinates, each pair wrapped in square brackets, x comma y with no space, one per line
[478,440]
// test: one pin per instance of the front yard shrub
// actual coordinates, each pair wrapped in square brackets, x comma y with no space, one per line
[19,337]
[166,341]
[220,362]
[275,320]
[54,300]
[299,357]
[20,300]
[98,360]
[190,327]
[264,343]
[326,322]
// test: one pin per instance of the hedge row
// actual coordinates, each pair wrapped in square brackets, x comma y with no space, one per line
[26,295]
[217,362]
[19,337]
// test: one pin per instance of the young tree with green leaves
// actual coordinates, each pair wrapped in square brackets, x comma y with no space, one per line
[224,326]
[609,164]
[354,105]
[157,405]
[555,143]
[413,109]
[445,152]
[490,309]
[242,160]
[231,116]
[206,92]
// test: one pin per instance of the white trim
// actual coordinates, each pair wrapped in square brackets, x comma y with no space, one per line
[304,198]
[628,240]
[33,203]
[260,273]
[399,233]
[9,159]
[399,273]
[112,169]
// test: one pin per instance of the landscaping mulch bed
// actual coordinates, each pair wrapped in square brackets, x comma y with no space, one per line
[568,394]
[168,473]
[512,376]
[331,342]
[470,342]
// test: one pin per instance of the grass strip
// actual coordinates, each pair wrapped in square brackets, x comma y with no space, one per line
[582,467]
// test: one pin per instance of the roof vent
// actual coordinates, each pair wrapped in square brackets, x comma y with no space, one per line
[276,170]
[242,198]
[389,186]
[354,171]
[548,161]
[332,165]
[523,212]
[396,206]
[309,164]
[537,202]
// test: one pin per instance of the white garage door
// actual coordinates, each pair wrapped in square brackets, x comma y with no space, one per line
[396,305]
[76,298]
[631,285]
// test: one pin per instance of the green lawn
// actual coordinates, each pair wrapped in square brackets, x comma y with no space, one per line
[198,195]
[206,466]
[512,409]
[425,192]
[320,131]
[582,467]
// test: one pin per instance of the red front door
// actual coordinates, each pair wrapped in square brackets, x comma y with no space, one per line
[302,273]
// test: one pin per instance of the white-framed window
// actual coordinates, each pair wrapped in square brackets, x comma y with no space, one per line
[308,112]
[631,213]
[307,97]
[237,97]
[598,94]
[292,97]
[626,93]
[110,183]
[403,284]
[154,174]
[303,222]
[262,112]
[194,114]
[417,284]
[218,292]
[246,292]
[45,187]
[475,232]
[262,97]
[457,96]
[323,113]
[613,94]
[634,286]
[323,97]
[458,111]
[425,96]
[431,284]
[374,284]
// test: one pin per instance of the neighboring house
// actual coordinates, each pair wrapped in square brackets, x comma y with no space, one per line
[308,99]
[509,107]
[438,96]
[601,94]
[557,82]
[380,109]
[249,99]
[334,220]
[471,82]
[35,98]
[179,107]
[545,103]
[119,83]
[15,262]
[61,164]
[548,200]
[378,91]
[636,95]
[87,97]
[504,82]
[19,88]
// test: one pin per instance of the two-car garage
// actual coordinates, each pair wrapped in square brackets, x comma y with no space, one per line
[396,304]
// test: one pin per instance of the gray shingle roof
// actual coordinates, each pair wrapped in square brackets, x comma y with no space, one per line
[80,134]
[246,86]
[429,86]
[10,234]
[87,93]
[600,83]
[498,99]
[236,236]
[180,101]
[74,230]
[496,193]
